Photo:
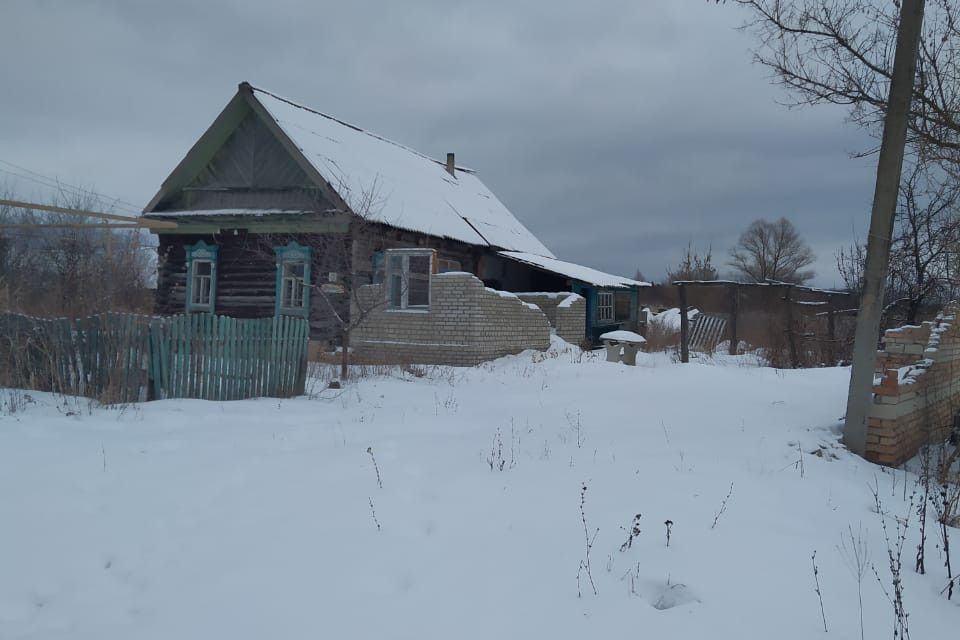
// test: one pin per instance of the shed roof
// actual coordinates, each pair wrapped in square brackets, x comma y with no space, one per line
[573,271]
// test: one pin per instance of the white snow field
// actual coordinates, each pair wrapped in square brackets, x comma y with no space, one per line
[252,519]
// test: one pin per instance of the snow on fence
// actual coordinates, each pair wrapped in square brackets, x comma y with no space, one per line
[129,358]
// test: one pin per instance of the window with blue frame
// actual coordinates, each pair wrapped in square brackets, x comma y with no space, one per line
[201,277]
[293,280]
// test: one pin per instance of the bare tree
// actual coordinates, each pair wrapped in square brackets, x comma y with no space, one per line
[923,253]
[343,262]
[841,52]
[772,251]
[52,264]
[693,266]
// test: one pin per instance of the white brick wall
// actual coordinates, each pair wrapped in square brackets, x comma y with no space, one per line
[567,313]
[466,324]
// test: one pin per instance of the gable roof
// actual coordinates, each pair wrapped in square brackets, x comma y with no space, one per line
[376,178]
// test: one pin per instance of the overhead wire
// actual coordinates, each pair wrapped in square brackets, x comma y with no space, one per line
[54,183]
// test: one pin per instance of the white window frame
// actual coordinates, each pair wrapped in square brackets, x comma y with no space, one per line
[605,307]
[292,286]
[201,253]
[403,271]
[293,254]
[202,285]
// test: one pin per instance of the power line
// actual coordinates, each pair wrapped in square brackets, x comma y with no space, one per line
[55,183]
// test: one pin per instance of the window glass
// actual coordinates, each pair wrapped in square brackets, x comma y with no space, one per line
[292,285]
[419,293]
[604,307]
[396,290]
[408,277]
[200,287]
[419,265]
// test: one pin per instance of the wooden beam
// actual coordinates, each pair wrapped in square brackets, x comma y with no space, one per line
[141,222]
[74,225]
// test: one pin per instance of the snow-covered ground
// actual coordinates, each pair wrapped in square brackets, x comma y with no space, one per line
[264,518]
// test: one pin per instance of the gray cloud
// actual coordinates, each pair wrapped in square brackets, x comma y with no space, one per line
[617,131]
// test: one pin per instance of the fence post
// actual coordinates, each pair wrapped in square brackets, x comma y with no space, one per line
[684,325]
[734,310]
[791,333]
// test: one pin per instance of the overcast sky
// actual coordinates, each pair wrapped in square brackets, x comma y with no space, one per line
[617,131]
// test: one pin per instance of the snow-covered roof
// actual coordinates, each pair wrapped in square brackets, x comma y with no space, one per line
[573,271]
[410,190]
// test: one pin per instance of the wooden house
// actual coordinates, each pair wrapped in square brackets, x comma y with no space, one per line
[282,210]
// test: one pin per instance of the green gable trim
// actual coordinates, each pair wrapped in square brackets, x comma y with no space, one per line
[255,224]
[196,252]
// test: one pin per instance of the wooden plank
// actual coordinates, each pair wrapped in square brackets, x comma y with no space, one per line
[224,326]
[153,361]
[239,362]
[231,359]
[143,222]
[242,360]
[301,383]
[284,341]
[258,369]
[177,363]
[203,357]
[214,356]
[164,353]
[196,327]
[274,377]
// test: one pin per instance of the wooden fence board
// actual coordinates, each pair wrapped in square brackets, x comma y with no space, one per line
[128,358]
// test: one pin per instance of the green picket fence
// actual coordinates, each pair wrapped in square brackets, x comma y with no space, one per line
[130,358]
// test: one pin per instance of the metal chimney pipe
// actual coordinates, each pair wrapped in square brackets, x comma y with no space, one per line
[451,166]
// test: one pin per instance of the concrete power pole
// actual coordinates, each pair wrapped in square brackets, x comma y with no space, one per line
[889,167]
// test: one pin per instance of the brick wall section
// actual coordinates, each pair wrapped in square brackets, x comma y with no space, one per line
[916,390]
[466,324]
[567,312]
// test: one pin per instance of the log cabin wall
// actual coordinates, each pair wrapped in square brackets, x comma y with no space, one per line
[372,238]
[247,275]
[247,271]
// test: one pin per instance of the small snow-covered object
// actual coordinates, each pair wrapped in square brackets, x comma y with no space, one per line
[623,336]
[629,341]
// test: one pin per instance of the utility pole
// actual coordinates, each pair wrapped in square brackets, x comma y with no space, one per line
[889,167]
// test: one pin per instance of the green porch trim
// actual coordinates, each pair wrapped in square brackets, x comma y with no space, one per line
[263,225]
